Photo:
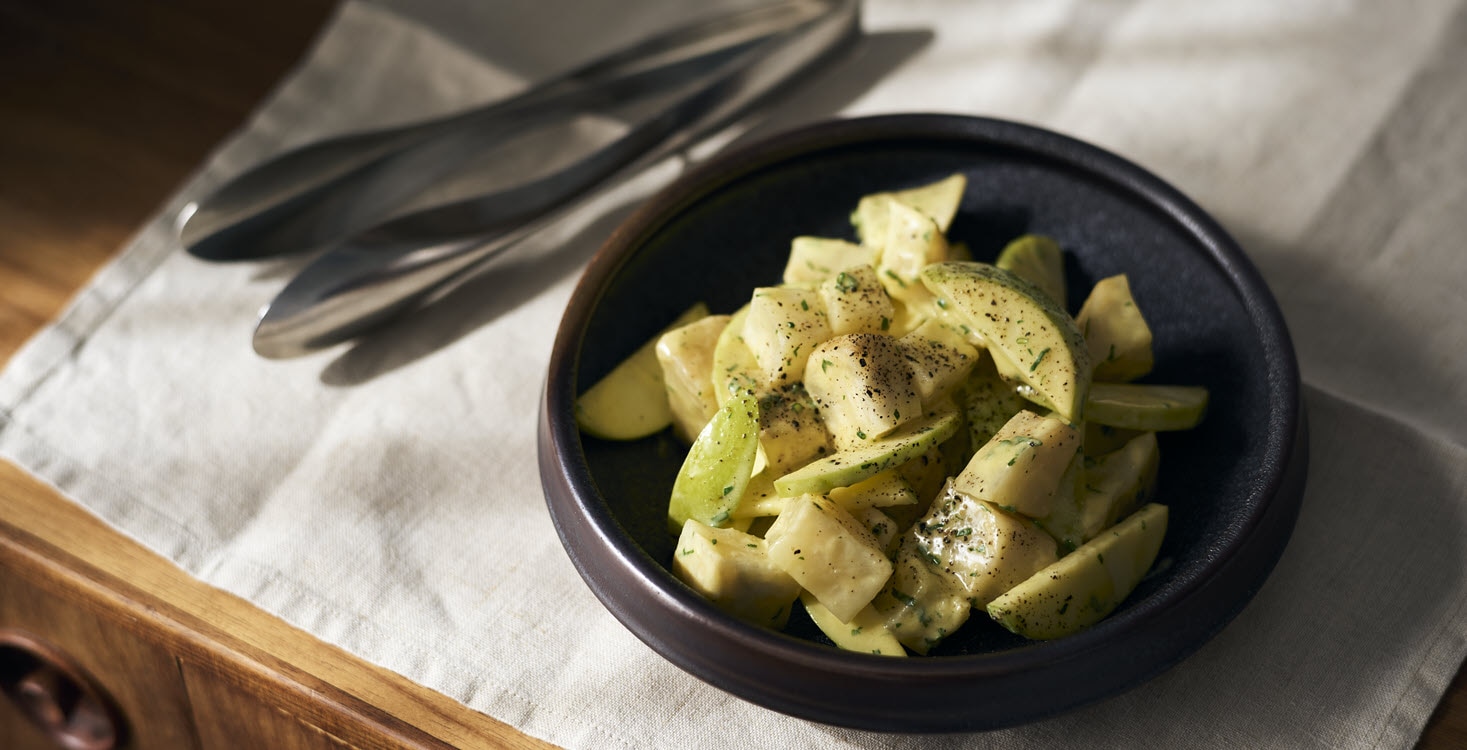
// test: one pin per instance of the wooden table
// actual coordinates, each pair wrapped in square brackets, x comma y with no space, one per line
[105,108]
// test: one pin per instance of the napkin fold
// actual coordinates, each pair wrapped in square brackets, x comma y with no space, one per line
[383,495]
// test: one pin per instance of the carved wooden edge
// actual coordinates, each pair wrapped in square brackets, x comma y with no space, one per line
[57,694]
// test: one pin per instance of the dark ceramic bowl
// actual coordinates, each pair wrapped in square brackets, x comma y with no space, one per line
[1234,484]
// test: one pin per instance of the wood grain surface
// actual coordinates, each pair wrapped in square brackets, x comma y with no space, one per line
[105,107]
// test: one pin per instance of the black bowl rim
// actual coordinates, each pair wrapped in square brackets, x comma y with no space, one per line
[581,518]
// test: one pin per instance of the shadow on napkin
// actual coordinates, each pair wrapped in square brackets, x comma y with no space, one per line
[520,275]
[505,284]
[1343,329]
[831,88]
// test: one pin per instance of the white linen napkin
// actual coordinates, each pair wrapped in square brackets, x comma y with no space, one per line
[384,495]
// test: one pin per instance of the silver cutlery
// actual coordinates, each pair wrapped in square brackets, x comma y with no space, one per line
[232,221]
[377,274]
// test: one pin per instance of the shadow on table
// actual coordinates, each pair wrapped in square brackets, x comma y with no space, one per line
[522,273]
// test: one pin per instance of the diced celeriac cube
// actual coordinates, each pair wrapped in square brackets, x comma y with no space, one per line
[1021,467]
[733,570]
[862,386]
[856,302]
[912,242]
[938,200]
[940,358]
[783,326]
[815,259]
[988,401]
[790,429]
[963,553]
[686,357]
[882,526]
[830,554]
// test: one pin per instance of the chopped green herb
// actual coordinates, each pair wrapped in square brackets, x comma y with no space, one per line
[1021,439]
[1038,359]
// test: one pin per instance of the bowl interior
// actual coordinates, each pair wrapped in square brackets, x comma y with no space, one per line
[1212,322]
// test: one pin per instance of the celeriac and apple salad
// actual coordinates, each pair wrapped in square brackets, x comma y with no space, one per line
[896,436]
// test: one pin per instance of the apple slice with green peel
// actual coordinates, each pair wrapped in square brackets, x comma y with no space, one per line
[1030,337]
[631,401]
[734,366]
[716,472]
[1086,585]
[1105,489]
[1038,260]
[1115,331]
[1149,408]
[1101,439]
[849,467]
[866,633]
[815,259]
[880,491]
